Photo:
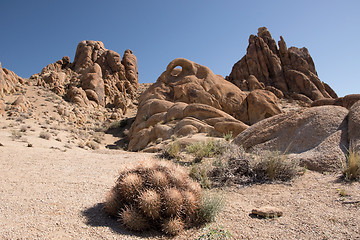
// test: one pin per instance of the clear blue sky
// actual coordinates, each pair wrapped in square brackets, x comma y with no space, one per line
[211,33]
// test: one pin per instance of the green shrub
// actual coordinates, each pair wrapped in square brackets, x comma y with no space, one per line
[212,203]
[215,233]
[351,169]
[228,136]
[201,150]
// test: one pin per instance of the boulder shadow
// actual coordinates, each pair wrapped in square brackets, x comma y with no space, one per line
[96,217]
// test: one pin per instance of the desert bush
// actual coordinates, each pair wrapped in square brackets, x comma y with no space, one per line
[228,136]
[351,169]
[45,135]
[201,150]
[237,166]
[172,150]
[274,165]
[212,203]
[158,195]
[199,172]
[15,134]
[215,233]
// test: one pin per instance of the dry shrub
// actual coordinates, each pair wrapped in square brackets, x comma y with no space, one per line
[158,195]
[351,169]
[172,151]
[273,165]
[238,167]
[45,135]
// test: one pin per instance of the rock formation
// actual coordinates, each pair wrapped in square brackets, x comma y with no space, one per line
[290,70]
[317,137]
[354,127]
[346,101]
[9,82]
[194,100]
[97,76]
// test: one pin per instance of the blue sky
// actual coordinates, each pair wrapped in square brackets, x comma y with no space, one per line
[211,33]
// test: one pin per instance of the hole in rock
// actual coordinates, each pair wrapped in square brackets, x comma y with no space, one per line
[176,71]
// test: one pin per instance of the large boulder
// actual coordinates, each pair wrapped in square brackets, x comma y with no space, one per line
[9,82]
[186,101]
[290,70]
[317,137]
[106,79]
[354,126]
[346,101]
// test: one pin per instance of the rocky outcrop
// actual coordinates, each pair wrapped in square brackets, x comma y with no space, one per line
[317,137]
[9,82]
[106,79]
[192,99]
[354,127]
[346,101]
[290,70]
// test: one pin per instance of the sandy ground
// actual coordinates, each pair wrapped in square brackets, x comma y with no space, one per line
[54,193]
[55,189]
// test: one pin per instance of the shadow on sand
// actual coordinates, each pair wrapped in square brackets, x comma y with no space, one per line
[96,217]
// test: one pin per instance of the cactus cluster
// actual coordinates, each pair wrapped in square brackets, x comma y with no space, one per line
[157,195]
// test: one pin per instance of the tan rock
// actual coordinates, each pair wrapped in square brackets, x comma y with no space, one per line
[291,70]
[92,80]
[9,82]
[21,104]
[183,99]
[354,126]
[317,137]
[100,72]
[346,101]
[267,212]
[2,108]
[230,127]
[258,105]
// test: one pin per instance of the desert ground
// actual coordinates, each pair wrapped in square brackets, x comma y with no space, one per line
[55,189]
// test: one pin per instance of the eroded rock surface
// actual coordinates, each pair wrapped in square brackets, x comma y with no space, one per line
[9,82]
[187,101]
[290,70]
[105,78]
[317,137]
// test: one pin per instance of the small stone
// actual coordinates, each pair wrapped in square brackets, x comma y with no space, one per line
[267,212]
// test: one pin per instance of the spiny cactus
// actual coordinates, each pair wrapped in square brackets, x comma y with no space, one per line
[155,194]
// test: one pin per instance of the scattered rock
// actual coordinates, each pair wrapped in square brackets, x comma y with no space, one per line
[267,212]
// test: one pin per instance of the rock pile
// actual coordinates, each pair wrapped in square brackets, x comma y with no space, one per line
[192,99]
[97,77]
[9,82]
[288,72]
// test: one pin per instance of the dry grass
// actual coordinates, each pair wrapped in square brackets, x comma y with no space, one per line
[202,150]
[352,167]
